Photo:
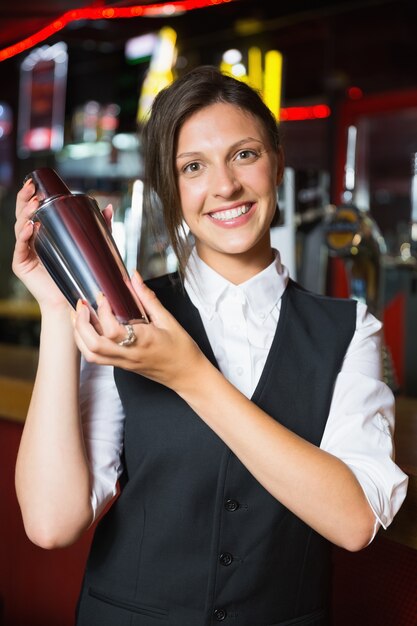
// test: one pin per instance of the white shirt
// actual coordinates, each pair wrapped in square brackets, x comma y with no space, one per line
[240,322]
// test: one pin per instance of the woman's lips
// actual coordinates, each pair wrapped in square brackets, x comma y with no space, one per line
[236,216]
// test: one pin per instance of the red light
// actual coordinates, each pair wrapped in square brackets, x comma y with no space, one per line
[321,111]
[296,114]
[151,10]
[355,93]
[38,139]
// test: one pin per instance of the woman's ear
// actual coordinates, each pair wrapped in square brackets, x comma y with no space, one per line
[280,165]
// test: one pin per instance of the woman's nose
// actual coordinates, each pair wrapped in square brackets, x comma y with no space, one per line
[225,183]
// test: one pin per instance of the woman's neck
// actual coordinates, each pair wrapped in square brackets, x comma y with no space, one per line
[238,268]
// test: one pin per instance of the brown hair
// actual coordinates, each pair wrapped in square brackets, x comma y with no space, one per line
[197,89]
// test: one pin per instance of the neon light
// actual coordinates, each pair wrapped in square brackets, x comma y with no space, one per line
[160,73]
[313,112]
[148,10]
[255,68]
[321,111]
[273,81]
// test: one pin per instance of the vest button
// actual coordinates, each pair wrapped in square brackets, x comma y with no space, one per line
[226,558]
[231,505]
[220,614]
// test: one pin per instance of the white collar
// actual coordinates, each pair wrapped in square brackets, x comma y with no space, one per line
[205,287]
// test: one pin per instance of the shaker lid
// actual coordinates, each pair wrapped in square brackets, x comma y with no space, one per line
[47,183]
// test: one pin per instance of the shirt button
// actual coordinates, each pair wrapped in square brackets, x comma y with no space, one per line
[226,559]
[239,371]
[231,505]
[220,614]
[262,315]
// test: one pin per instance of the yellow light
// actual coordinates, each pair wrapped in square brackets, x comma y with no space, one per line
[255,68]
[160,73]
[248,27]
[273,81]
[225,68]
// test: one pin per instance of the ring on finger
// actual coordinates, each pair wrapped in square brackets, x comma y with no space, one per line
[130,337]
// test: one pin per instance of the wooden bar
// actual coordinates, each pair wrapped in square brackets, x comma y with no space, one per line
[17,374]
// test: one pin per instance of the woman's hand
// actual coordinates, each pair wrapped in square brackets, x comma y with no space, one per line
[26,264]
[163,350]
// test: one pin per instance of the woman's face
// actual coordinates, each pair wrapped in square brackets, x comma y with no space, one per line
[227,178]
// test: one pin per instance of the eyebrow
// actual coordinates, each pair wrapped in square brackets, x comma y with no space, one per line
[239,143]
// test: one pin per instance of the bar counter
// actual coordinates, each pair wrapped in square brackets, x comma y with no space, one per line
[17,373]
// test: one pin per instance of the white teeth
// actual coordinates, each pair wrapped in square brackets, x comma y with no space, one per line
[231,213]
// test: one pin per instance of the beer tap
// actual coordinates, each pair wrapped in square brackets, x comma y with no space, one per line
[353,235]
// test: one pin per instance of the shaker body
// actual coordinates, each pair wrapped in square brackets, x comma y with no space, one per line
[76,247]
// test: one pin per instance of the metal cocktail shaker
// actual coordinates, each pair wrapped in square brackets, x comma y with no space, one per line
[76,247]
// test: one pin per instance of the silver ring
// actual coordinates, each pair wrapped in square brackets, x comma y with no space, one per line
[130,337]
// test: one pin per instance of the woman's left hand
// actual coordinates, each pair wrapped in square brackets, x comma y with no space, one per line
[163,351]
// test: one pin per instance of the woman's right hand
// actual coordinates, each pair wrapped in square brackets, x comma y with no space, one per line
[26,264]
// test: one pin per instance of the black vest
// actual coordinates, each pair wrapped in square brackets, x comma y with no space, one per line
[194,539]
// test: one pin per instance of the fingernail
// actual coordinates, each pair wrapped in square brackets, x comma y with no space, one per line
[80,304]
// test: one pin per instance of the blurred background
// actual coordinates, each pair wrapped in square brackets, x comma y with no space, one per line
[76,81]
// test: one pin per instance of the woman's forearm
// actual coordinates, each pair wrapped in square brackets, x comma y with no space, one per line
[315,485]
[52,474]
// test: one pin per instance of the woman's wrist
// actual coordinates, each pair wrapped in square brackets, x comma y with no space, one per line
[57,330]
[55,310]
[196,383]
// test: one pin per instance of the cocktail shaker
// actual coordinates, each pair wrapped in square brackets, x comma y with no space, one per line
[75,244]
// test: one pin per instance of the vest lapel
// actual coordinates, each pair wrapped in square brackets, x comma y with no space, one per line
[179,304]
[274,349]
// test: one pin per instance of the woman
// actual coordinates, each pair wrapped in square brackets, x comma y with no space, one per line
[247,422]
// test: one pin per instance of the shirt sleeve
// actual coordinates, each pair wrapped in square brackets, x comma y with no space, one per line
[360,425]
[102,419]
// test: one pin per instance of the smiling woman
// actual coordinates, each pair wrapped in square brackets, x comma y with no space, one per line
[208,107]
[248,422]
[227,188]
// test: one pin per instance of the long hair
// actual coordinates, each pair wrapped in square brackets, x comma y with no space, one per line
[196,90]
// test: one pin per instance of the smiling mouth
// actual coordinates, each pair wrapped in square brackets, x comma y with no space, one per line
[231,214]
